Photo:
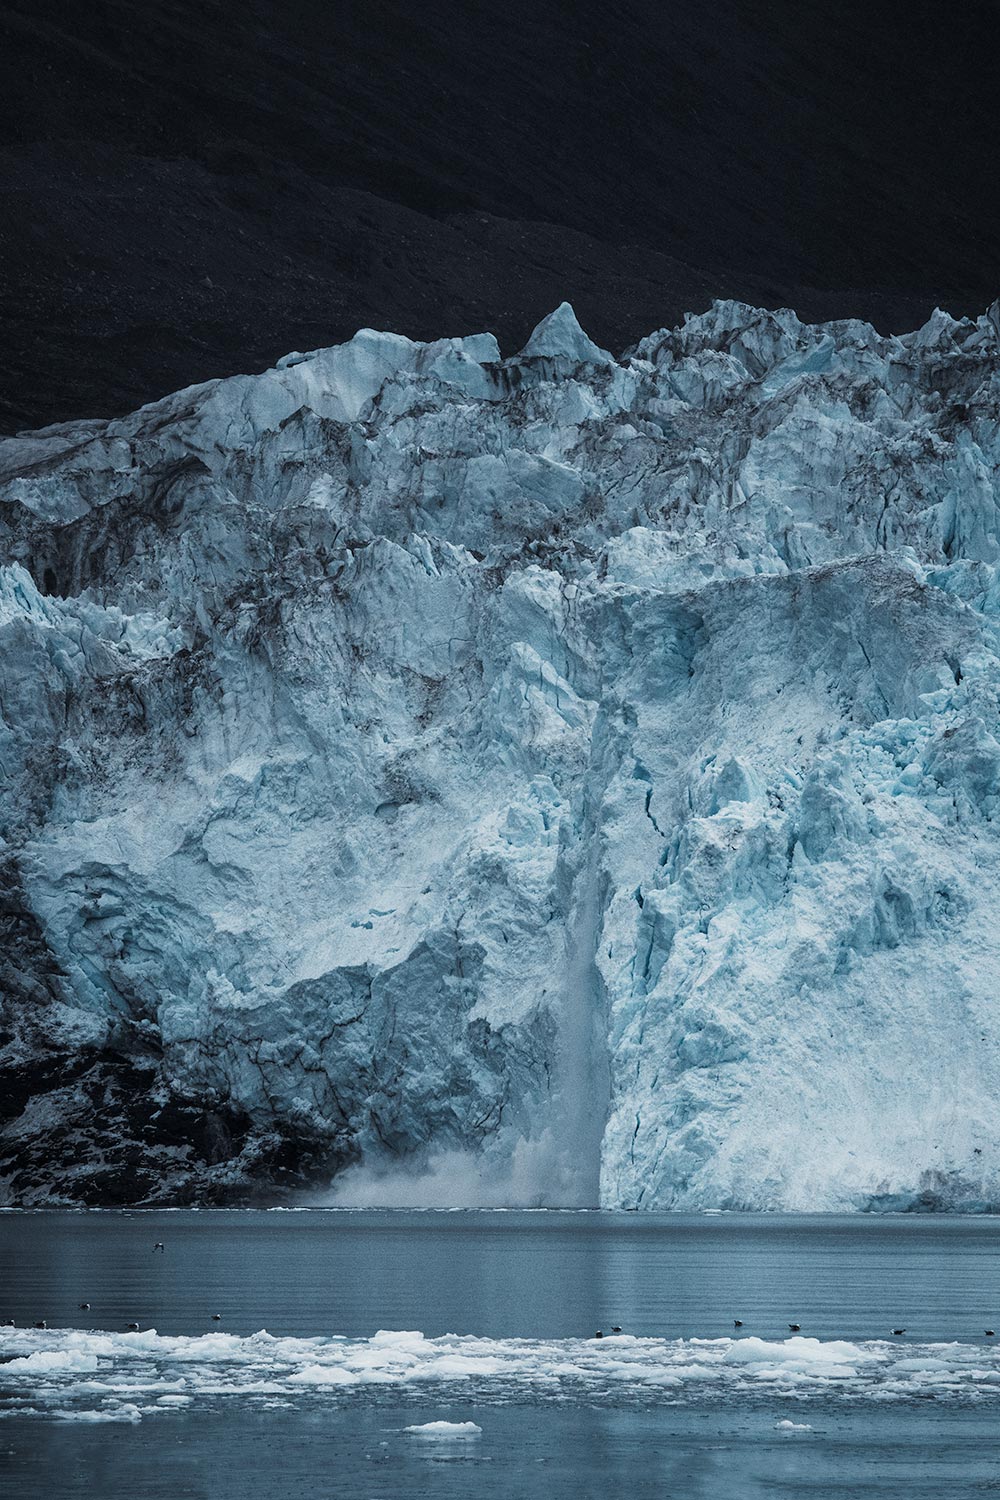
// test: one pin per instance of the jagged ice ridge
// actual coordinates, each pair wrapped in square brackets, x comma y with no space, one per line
[551,779]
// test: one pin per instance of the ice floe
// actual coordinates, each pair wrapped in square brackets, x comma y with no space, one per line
[445,1430]
[95,1376]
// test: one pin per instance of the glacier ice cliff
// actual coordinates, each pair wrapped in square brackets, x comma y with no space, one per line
[583,769]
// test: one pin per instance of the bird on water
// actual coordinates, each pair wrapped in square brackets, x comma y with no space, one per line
[737,1322]
[795,1327]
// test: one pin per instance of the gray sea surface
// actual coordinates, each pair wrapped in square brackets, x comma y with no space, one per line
[379,1322]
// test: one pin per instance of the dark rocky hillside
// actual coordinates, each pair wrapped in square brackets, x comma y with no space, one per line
[193,187]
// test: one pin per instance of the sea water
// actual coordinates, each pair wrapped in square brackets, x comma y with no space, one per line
[389,1354]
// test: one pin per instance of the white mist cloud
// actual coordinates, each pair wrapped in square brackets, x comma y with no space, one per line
[534,1174]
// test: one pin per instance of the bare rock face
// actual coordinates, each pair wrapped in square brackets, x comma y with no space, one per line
[576,776]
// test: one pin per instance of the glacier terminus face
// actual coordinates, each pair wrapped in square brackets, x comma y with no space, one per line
[560,779]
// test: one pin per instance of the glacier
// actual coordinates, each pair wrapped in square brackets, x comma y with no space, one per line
[560,779]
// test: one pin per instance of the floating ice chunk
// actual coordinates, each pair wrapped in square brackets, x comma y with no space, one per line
[323,1375]
[127,1412]
[445,1430]
[51,1362]
[788,1426]
[801,1356]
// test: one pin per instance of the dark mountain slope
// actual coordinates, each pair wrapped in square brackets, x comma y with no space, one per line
[194,188]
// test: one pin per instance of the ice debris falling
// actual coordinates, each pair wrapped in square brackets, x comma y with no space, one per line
[579,771]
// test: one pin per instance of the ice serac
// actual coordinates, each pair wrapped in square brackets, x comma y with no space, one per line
[559,336]
[549,779]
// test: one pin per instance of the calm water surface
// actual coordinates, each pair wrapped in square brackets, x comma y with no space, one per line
[269,1426]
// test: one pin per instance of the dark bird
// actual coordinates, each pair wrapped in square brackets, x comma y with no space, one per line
[216,1317]
[8,1322]
[795,1327]
[898,1331]
[85,1307]
[988,1332]
[42,1324]
[157,1246]
[133,1328]
[616,1329]
[737,1322]
[598,1334]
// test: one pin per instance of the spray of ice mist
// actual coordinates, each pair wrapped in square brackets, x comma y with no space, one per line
[557,1165]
